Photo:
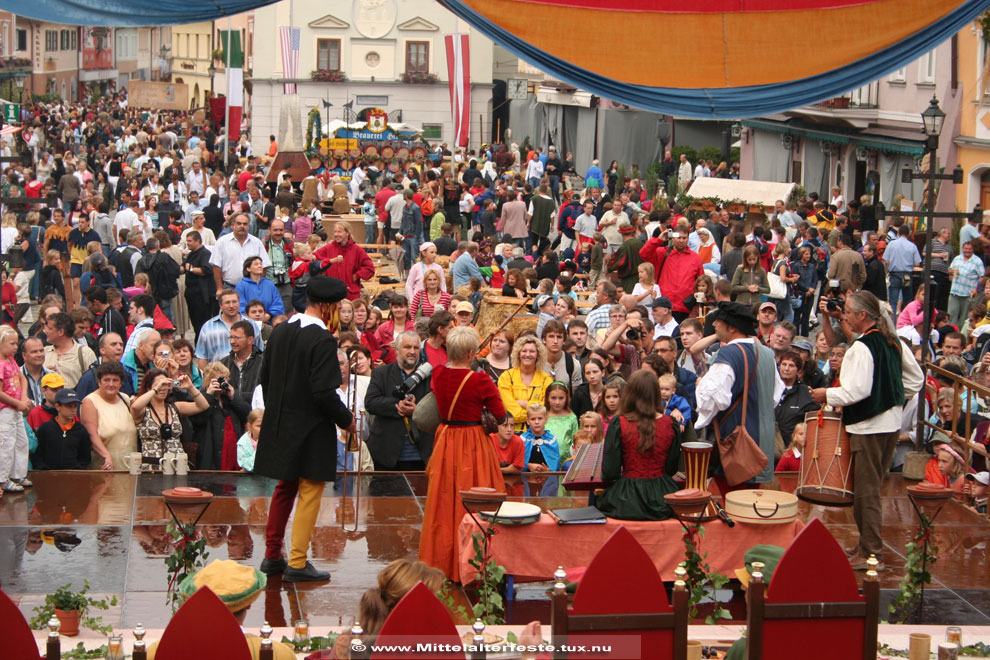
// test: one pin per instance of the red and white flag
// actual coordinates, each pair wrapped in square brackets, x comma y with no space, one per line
[289,37]
[459,74]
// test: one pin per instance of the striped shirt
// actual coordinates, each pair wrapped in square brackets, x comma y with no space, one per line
[598,319]
[968,274]
[214,339]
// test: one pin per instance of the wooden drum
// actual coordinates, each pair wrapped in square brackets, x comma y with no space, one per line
[826,466]
[696,458]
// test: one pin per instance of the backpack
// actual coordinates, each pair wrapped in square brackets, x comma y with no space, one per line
[821,258]
[427,207]
[163,274]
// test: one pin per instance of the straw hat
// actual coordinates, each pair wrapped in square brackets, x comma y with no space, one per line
[237,585]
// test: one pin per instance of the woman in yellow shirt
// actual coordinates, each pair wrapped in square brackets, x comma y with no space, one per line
[526,382]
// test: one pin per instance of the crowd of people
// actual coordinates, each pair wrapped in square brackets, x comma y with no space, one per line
[160,278]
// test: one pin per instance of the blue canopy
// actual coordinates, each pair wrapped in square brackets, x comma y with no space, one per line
[129,13]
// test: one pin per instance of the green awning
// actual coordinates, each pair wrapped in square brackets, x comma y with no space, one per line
[874,142]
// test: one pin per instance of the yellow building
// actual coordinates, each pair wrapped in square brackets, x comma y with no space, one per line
[972,136]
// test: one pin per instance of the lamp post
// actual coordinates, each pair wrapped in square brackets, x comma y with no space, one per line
[212,70]
[932,118]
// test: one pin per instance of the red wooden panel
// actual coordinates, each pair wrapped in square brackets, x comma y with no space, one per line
[621,579]
[814,569]
[18,640]
[419,617]
[203,627]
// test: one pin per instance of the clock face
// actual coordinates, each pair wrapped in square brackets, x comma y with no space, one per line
[517,88]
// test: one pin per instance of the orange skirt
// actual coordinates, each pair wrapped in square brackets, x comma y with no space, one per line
[463,457]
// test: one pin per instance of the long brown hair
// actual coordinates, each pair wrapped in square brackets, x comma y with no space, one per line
[640,403]
[394,582]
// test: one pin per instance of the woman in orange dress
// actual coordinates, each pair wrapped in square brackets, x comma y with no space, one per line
[463,456]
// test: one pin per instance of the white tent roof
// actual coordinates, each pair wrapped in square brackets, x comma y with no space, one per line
[765,193]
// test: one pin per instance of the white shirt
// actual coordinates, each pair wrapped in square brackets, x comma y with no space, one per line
[197,182]
[126,219]
[534,169]
[714,389]
[206,234]
[639,290]
[699,171]
[394,209]
[856,378]
[665,330]
[228,255]
[586,225]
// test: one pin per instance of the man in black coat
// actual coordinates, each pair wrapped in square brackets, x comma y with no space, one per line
[876,273]
[298,442]
[390,443]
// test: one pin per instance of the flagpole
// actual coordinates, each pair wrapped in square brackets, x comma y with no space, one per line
[226,111]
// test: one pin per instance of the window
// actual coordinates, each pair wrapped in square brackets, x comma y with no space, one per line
[126,45]
[5,39]
[22,40]
[433,131]
[65,41]
[372,100]
[51,40]
[328,54]
[926,68]
[73,40]
[899,75]
[417,57]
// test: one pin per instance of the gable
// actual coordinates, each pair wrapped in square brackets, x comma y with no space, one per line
[329,22]
[419,24]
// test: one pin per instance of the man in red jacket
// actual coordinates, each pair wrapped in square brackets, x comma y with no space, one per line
[348,262]
[677,267]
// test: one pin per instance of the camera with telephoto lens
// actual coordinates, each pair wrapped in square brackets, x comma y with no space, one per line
[403,389]
[632,334]
[224,385]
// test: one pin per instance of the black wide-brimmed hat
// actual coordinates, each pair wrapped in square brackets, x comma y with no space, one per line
[324,289]
[737,315]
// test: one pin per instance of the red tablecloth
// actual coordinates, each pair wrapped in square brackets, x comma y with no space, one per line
[535,551]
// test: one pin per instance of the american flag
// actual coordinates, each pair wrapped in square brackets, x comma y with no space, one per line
[289,36]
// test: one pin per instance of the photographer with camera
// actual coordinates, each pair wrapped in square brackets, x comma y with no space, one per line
[159,427]
[831,306]
[209,425]
[395,443]
[629,342]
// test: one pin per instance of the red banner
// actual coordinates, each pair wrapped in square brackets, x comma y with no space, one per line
[459,73]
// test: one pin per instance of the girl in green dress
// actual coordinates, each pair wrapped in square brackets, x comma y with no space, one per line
[561,422]
[642,450]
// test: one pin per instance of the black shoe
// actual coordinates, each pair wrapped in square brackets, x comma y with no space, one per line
[307,573]
[272,566]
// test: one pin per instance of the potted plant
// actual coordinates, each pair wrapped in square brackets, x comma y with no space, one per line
[71,609]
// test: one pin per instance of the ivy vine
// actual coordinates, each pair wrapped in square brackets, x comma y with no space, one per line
[188,556]
[701,580]
[921,556]
[490,607]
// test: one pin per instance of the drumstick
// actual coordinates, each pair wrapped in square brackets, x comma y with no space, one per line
[508,318]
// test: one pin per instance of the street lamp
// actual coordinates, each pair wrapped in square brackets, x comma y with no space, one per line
[932,119]
[212,70]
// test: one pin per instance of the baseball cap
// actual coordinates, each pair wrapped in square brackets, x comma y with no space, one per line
[52,381]
[661,301]
[193,214]
[464,306]
[981,477]
[542,299]
[67,395]
[803,344]
[768,304]
[98,260]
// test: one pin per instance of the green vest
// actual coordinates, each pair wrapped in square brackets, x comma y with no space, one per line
[888,384]
[543,208]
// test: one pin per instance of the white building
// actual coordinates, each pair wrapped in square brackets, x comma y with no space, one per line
[374,43]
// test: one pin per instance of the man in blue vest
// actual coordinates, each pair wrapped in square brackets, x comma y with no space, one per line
[719,392]
[878,374]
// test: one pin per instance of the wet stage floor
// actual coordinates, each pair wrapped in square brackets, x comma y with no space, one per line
[109,528]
